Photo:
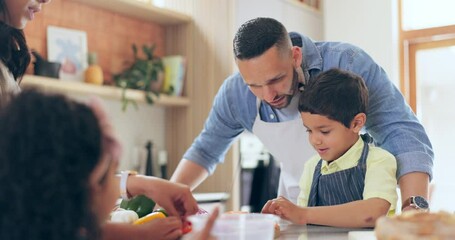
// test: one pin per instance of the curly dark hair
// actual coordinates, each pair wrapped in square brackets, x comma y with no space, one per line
[258,35]
[49,145]
[14,52]
[336,94]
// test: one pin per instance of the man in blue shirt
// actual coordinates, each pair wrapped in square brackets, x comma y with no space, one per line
[274,67]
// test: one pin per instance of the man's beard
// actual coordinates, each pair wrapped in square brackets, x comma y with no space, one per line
[292,90]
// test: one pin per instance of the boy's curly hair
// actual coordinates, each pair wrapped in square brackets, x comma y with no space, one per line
[49,145]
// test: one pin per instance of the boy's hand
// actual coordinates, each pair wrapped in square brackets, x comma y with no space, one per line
[285,209]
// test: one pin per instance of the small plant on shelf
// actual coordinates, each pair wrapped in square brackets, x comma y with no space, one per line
[144,74]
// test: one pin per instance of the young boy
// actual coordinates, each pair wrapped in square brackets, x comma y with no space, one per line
[349,183]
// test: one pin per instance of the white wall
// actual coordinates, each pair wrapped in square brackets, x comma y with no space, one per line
[134,127]
[369,24]
[294,16]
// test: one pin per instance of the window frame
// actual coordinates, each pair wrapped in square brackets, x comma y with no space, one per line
[410,41]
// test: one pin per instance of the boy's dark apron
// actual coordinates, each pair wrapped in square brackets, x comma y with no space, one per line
[339,187]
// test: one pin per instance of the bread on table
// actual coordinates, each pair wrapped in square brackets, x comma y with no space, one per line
[416,225]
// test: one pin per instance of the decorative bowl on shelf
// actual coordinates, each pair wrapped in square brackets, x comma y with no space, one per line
[45,68]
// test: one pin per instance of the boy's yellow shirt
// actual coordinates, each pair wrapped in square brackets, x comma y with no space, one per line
[380,177]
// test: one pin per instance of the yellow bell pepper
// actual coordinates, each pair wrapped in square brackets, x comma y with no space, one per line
[149,217]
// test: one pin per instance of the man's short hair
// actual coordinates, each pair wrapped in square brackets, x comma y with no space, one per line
[258,35]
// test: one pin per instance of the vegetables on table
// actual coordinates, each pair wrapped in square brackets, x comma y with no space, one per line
[161,213]
[141,204]
[186,227]
[139,210]
[124,216]
[149,217]
[161,210]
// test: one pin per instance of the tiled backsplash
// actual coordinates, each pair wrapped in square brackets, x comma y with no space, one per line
[109,34]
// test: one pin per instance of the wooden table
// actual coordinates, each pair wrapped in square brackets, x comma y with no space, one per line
[312,232]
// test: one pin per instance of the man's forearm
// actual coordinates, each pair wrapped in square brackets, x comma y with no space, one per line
[414,184]
[189,173]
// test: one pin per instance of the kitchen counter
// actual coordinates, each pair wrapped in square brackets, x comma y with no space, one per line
[312,232]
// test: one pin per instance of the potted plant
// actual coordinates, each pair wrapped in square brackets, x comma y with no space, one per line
[143,74]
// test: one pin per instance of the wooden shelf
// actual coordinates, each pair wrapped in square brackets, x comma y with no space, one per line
[145,11]
[62,86]
[304,6]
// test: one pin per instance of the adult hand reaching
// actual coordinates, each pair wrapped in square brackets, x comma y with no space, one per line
[176,198]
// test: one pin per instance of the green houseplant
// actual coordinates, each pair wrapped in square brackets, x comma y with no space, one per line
[143,74]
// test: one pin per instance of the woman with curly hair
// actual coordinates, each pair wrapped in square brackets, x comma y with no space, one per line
[14,53]
[58,159]
[56,167]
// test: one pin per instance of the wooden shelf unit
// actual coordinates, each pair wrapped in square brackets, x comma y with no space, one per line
[62,86]
[144,11]
[310,6]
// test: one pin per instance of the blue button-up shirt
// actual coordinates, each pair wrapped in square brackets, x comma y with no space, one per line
[390,121]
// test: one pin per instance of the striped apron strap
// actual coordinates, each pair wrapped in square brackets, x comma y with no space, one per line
[312,200]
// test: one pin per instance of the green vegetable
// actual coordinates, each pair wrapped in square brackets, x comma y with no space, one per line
[141,204]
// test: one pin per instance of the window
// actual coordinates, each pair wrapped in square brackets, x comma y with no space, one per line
[420,14]
[427,44]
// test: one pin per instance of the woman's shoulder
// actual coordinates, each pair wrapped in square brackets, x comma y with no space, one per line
[7,82]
